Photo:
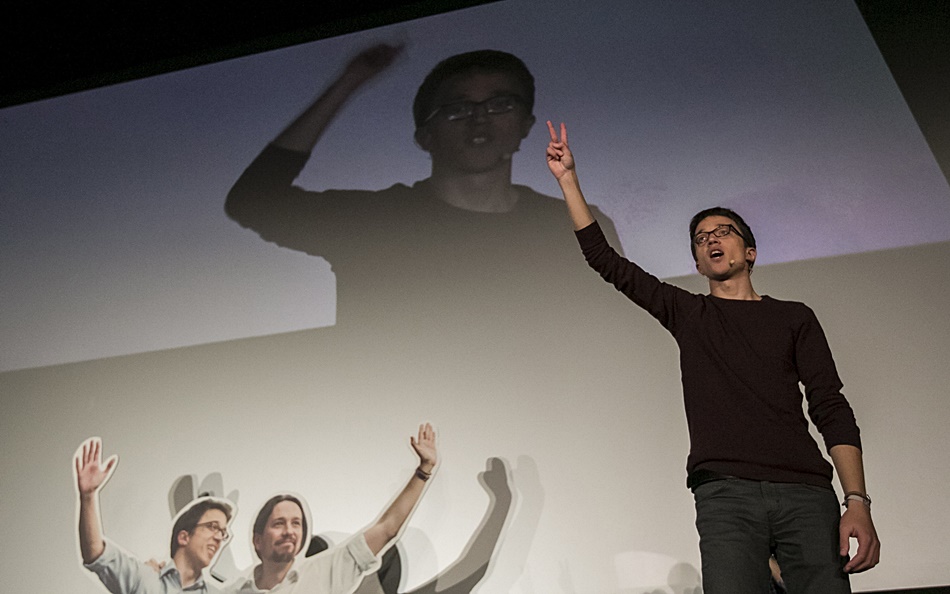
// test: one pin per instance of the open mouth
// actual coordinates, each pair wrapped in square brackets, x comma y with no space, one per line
[716,255]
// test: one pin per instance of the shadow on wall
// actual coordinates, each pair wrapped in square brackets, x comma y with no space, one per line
[647,572]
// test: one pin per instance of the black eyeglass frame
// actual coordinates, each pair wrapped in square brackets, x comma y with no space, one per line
[468,108]
[720,231]
[222,531]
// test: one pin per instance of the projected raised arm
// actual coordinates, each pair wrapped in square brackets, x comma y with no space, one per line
[392,521]
[304,132]
[561,164]
[91,475]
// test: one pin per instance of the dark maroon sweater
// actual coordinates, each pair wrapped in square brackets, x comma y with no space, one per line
[741,364]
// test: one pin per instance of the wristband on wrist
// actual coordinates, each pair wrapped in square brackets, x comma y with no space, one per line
[856,496]
[422,475]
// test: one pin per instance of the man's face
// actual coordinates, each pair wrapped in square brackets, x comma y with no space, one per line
[721,258]
[206,540]
[283,535]
[482,141]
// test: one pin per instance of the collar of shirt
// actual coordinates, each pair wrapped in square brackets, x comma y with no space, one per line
[170,570]
[168,567]
[247,583]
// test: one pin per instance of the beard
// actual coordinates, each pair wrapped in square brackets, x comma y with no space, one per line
[283,556]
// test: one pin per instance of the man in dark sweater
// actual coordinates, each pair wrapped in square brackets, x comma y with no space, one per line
[760,483]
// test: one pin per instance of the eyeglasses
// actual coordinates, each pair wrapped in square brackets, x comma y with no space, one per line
[719,231]
[220,530]
[461,110]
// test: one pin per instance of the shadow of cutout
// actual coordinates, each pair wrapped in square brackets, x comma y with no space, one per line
[473,563]
[498,529]
[181,492]
[478,556]
[648,567]
[685,579]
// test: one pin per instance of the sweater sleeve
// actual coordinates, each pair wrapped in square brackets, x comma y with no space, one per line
[828,408]
[264,199]
[660,299]
[267,183]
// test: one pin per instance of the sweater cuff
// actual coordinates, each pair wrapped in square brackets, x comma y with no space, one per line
[589,234]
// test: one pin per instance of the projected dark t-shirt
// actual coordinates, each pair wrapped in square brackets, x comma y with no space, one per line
[408,262]
[741,364]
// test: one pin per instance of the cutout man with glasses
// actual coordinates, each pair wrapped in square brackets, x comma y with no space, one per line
[759,481]
[200,532]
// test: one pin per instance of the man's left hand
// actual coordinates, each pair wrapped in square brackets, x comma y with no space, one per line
[156,565]
[856,523]
[424,445]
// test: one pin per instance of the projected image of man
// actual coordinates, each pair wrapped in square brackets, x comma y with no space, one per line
[413,257]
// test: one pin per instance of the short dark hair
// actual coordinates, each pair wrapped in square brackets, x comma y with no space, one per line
[481,60]
[188,519]
[745,232]
[268,508]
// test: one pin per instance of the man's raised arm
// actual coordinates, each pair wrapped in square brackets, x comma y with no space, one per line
[561,164]
[91,475]
[391,522]
[264,198]
[303,133]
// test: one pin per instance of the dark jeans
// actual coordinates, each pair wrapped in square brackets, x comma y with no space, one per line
[742,522]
